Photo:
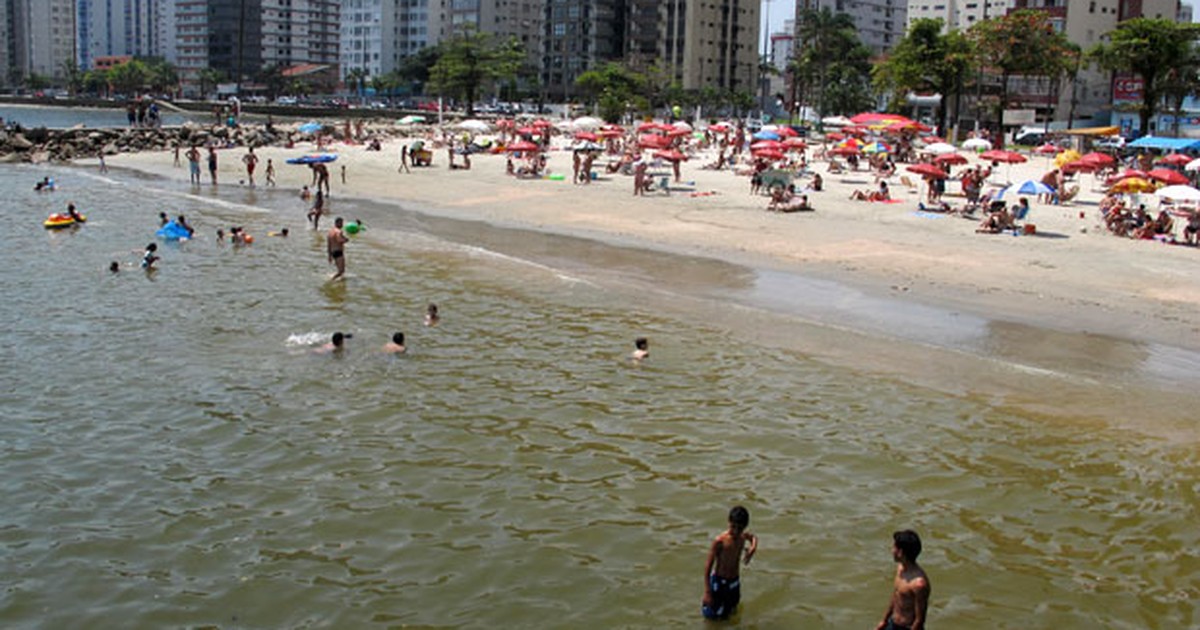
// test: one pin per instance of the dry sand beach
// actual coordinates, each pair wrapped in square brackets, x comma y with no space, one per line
[1072,277]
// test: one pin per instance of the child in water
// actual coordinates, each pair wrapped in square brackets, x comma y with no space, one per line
[431,315]
[722,585]
[149,257]
[641,350]
[396,345]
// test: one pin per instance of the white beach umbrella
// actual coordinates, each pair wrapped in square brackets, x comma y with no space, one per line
[1178,193]
[977,144]
[940,148]
[587,123]
[1194,165]
[474,125]
[836,121]
[681,124]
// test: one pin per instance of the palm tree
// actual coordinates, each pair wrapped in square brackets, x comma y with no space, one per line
[209,78]
[358,78]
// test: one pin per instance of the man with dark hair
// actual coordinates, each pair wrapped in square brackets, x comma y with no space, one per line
[910,596]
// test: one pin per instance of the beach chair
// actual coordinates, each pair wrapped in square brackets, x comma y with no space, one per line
[907,182]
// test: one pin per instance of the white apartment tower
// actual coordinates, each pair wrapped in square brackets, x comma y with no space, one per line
[298,32]
[43,36]
[368,36]
[881,24]
[106,28]
[957,14]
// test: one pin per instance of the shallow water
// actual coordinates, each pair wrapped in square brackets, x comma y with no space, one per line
[175,455]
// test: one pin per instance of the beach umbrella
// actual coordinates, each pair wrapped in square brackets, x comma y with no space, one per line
[1178,193]
[653,141]
[856,130]
[773,145]
[505,123]
[1194,165]
[844,150]
[672,155]
[407,120]
[541,123]
[522,146]
[939,148]
[1100,159]
[1067,157]
[1027,187]
[310,127]
[587,146]
[927,170]
[1002,156]
[679,131]
[977,144]
[1168,176]
[1129,172]
[1079,166]
[793,144]
[647,127]
[835,136]
[766,134]
[874,118]
[836,121]
[1048,149]
[768,154]
[587,123]
[586,135]
[786,132]
[950,158]
[609,133]
[682,124]
[1132,185]
[474,125]
[1175,159]
[719,127]
[876,147]
[527,131]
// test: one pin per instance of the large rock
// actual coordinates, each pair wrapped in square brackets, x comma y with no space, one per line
[20,142]
[110,149]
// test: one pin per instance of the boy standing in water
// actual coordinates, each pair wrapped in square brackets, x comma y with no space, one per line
[910,596]
[722,586]
[641,349]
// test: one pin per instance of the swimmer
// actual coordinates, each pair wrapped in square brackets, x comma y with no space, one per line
[396,345]
[722,587]
[431,315]
[114,266]
[162,219]
[74,213]
[283,233]
[641,350]
[184,224]
[149,257]
[220,235]
[335,242]
[910,594]
[305,193]
[336,344]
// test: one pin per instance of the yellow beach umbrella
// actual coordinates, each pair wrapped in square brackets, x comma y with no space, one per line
[1066,157]
[1132,185]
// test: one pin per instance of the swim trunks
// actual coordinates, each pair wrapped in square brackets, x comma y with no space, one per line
[195,167]
[726,593]
[336,254]
[891,625]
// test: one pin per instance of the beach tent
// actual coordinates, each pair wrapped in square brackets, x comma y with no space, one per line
[1173,144]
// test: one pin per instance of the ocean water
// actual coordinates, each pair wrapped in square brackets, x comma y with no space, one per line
[174,454]
[65,117]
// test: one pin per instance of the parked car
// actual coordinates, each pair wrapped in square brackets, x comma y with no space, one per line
[286,100]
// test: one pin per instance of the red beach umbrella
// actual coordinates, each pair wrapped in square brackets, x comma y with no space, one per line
[794,144]
[1079,166]
[927,170]
[1100,159]
[672,155]
[1002,156]
[768,154]
[950,158]
[586,135]
[653,141]
[541,122]
[1175,159]
[844,150]
[610,133]
[1168,176]
[773,145]
[521,146]
[835,135]
[786,132]
[1048,149]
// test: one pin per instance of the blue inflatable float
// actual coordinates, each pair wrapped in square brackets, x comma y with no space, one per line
[313,158]
[172,231]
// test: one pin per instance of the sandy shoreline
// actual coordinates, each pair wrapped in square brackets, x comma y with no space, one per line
[1072,276]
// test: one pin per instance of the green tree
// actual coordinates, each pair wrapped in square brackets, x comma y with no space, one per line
[161,75]
[96,82]
[613,87]
[271,77]
[73,76]
[1020,43]
[36,81]
[472,62]
[385,84]
[357,77]
[927,60]
[414,69]
[209,78]
[829,50]
[1150,49]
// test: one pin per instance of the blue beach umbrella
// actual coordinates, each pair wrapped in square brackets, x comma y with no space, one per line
[313,158]
[766,134]
[310,127]
[1027,187]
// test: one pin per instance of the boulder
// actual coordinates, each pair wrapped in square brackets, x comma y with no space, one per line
[20,142]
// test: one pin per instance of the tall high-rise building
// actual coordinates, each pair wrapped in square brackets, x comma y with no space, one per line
[43,36]
[6,43]
[298,32]
[502,19]
[577,36]
[881,24]
[165,31]
[369,36]
[957,14]
[711,44]
[106,28]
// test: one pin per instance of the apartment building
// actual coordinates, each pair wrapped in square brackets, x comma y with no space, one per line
[881,24]
[43,36]
[296,32]
[957,14]
[108,28]
[369,36]
[577,36]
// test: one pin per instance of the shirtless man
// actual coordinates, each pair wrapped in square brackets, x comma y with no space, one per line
[317,210]
[251,161]
[335,242]
[320,177]
[722,569]
[270,173]
[910,597]
[193,158]
[396,345]
[212,164]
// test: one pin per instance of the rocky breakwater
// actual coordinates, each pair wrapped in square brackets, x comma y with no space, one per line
[63,145]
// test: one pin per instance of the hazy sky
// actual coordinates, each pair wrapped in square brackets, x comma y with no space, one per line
[781,10]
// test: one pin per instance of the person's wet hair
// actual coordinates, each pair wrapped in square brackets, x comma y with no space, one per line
[338,338]
[739,516]
[908,542]
[114,266]
[152,247]
[641,343]
[398,338]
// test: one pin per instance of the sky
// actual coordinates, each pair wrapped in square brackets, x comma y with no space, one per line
[781,10]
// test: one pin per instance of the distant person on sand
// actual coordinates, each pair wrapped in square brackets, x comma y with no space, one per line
[251,161]
[343,174]
[641,349]
[270,173]
[335,243]
[103,164]
[431,315]
[722,569]
[403,160]
[177,163]
[910,595]
[212,164]
[193,158]
[396,345]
